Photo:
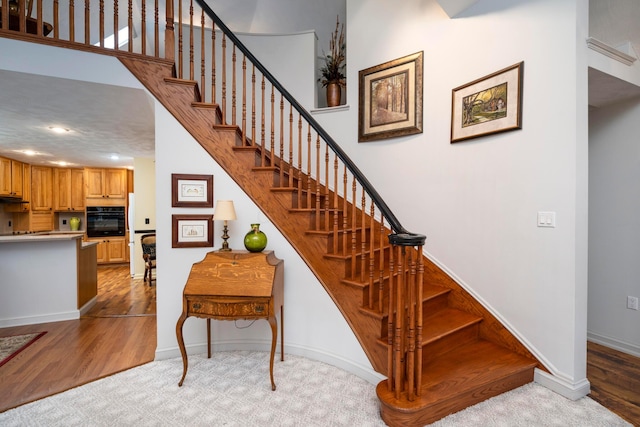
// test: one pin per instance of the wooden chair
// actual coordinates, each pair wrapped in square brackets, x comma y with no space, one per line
[148,242]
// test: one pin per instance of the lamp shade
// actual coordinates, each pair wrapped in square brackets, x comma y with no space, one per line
[224,211]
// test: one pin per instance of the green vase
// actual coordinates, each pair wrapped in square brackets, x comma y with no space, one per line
[74,223]
[255,240]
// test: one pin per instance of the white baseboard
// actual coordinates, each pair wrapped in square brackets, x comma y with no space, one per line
[361,371]
[44,318]
[573,391]
[614,343]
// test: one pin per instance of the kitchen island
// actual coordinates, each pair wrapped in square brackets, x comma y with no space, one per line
[46,277]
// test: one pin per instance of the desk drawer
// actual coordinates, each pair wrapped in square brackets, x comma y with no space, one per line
[229,309]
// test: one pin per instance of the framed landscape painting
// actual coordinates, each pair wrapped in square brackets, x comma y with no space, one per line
[390,100]
[488,105]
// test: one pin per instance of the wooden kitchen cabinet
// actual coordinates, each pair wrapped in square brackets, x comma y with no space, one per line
[24,205]
[41,188]
[105,183]
[11,178]
[68,195]
[111,250]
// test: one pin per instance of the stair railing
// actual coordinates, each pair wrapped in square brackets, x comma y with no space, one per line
[344,204]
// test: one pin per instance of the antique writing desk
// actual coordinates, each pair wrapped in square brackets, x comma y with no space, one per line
[234,285]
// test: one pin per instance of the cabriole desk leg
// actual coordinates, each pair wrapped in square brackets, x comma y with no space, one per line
[274,337]
[183,350]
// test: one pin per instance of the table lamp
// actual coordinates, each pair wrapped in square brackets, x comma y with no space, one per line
[224,211]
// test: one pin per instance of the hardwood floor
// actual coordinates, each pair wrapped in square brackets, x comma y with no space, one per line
[118,333]
[615,381]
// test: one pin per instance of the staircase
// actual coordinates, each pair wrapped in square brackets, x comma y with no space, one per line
[441,350]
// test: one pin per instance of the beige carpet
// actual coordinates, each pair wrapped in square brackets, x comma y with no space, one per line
[233,389]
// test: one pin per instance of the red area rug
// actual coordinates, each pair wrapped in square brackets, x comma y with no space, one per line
[11,346]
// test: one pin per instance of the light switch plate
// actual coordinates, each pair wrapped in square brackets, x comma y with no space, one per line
[546,219]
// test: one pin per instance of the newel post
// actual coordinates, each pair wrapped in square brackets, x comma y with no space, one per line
[169,36]
[405,315]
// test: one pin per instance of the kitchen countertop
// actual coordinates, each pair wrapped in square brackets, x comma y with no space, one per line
[46,236]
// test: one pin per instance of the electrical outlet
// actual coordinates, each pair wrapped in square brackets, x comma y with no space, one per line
[64,222]
[9,223]
[632,303]
[146,220]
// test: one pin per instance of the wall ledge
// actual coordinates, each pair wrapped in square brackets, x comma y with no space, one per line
[610,51]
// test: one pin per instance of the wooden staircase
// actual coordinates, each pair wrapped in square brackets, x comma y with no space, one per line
[467,355]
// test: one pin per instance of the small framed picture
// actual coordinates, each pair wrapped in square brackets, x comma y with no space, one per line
[191,191]
[192,231]
[488,105]
[390,99]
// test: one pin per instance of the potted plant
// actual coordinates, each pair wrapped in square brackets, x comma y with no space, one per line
[332,72]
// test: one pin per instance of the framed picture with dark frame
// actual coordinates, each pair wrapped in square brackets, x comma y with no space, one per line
[390,99]
[191,191]
[191,231]
[488,105]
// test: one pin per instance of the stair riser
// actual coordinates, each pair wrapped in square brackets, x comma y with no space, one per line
[448,343]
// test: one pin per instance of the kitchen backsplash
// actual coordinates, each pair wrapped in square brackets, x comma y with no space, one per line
[5,220]
[64,217]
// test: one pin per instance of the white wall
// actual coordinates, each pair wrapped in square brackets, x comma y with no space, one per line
[144,188]
[477,201]
[614,230]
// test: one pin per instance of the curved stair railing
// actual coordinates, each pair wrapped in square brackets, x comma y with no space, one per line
[382,255]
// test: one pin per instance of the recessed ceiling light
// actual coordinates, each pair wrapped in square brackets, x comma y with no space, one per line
[61,163]
[58,129]
[30,152]
[114,157]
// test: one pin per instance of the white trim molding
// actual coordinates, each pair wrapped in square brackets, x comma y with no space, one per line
[573,391]
[611,52]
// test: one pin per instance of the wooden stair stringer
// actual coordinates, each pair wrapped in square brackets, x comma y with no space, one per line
[219,142]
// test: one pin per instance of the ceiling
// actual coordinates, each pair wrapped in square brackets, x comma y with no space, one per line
[107,120]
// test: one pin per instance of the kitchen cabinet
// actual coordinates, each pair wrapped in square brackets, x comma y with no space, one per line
[68,185]
[111,249]
[105,183]
[11,178]
[23,205]
[33,221]
[41,188]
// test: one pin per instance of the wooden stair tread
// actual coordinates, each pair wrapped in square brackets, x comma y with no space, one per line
[445,322]
[474,366]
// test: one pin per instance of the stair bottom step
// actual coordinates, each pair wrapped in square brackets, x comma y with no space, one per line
[455,381]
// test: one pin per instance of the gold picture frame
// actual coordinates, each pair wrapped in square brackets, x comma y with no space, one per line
[191,191]
[488,105]
[191,231]
[390,99]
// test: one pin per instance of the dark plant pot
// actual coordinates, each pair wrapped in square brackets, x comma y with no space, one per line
[334,93]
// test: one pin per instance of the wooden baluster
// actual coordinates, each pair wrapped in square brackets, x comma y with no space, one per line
[180,41]
[300,184]
[5,16]
[191,52]
[233,86]
[272,133]
[101,24]
[156,30]
[381,267]
[345,208]
[262,125]
[143,27]
[290,167]
[281,159]
[411,321]
[419,314]
[363,234]
[169,35]
[327,201]
[398,341]
[56,20]
[39,20]
[354,222]
[336,203]
[115,25]
[224,79]
[213,63]
[87,22]
[202,57]
[317,180]
[130,25]
[309,167]
[391,322]
[244,100]
[22,17]
[372,252]
[253,105]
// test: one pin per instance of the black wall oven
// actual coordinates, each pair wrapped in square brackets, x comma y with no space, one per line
[105,221]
